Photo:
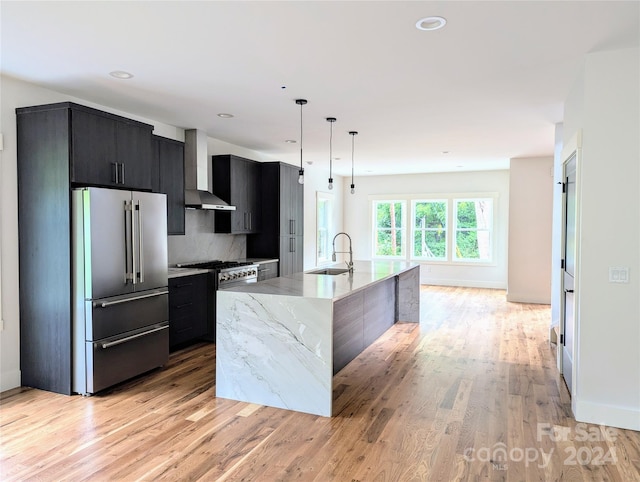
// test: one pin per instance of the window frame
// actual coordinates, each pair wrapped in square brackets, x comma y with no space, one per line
[402,229]
[414,202]
[409,201]
[455,230]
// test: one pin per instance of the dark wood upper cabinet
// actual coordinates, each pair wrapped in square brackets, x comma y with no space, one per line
[237,181]
[109,150]
[168,178]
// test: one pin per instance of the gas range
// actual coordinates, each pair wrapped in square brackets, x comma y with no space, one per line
[227,273]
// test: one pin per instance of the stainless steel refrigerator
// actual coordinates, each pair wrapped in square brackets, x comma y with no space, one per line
[120,308]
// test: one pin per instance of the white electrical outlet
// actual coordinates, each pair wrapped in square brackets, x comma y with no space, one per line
[618,275]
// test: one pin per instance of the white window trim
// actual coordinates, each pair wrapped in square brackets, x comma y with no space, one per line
[408,199]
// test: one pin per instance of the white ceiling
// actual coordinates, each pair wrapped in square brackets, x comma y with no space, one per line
[488,87]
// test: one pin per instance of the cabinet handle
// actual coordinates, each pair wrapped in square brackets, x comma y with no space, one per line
[568,291]
[292,245]
[121,173]
[244,220]
[114,172]
[250,223]
[183,305]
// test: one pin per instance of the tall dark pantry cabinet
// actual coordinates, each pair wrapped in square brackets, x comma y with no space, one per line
[282,232]
[61,146]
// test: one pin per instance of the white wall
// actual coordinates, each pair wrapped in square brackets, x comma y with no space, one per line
[357,220]
[530,213]
[605,105]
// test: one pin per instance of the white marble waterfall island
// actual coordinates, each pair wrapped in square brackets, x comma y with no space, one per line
[279,342]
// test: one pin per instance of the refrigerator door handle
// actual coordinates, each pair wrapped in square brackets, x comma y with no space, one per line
[140,243]
[106,304]
[133,337]
[134,257]
[128,252]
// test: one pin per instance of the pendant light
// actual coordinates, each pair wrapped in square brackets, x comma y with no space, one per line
[301,102]
[353,135]
[331,120]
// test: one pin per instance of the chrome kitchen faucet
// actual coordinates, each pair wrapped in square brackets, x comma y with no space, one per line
[333,255]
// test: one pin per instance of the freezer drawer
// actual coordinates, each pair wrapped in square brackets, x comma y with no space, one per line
[112,316]
[117,359]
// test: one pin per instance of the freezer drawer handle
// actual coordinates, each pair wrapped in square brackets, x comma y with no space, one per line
[133,337]
[105,304]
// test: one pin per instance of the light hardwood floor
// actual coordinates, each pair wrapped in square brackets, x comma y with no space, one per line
[470,394]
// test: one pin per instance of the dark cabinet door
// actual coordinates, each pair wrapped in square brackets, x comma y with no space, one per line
[169,179]
[287,223]
[291,254]
[93,149]
[109,152]
[239,195]
[253,188]
[237,181]
[133,156]
[291,201]
[187,309]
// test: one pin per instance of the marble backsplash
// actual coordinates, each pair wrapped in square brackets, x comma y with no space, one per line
[200,243]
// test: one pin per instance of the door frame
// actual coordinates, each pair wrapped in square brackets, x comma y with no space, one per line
[573,147]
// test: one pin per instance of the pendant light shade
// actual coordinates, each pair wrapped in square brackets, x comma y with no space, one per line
[331,120]
[353,135]
[301,102]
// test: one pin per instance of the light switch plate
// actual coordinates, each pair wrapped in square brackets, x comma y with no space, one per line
[618,275]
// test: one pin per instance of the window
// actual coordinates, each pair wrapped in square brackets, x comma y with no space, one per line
[324,218]
[449,228]
[430,230]
[388,222]
[473,229]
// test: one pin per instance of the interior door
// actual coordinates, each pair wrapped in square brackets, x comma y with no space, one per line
[568,275]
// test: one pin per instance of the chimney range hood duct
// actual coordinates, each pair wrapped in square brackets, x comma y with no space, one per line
[197,174]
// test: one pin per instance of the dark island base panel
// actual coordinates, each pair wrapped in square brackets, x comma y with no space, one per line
[304,328]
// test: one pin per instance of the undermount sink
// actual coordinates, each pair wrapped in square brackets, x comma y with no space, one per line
[329,271]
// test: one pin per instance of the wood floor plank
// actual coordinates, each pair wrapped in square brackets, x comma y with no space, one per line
[463,395]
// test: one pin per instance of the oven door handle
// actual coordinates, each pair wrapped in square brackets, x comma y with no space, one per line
[105,304]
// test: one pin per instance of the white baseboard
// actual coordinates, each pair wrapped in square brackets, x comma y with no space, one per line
[527,298]
[9,380]
[612,416]
[463,283]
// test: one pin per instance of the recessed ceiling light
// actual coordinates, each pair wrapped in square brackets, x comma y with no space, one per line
[310,162]
[431,23]
[120,74]
[445,152]
[290,141]
[225,116]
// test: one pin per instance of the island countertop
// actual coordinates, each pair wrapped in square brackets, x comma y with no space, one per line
[331,287]
[280,341]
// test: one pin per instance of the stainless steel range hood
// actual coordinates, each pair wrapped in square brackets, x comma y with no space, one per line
[197,174]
